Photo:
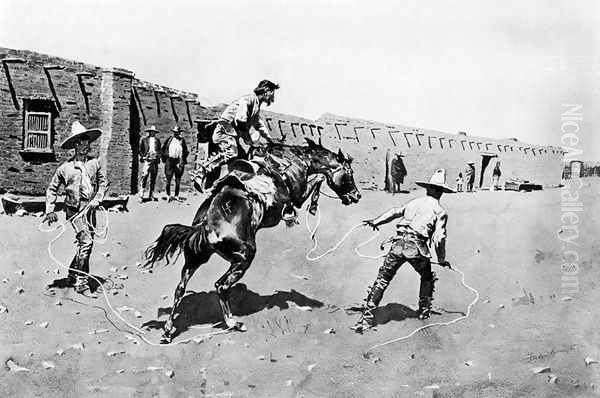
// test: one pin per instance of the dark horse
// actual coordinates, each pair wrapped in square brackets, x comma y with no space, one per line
[227,221]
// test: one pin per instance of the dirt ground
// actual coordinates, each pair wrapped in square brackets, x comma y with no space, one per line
[507,243]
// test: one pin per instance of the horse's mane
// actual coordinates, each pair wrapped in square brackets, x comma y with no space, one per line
[299,150]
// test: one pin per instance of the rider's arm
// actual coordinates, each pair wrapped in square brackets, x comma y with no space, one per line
[262,129]
[241,113]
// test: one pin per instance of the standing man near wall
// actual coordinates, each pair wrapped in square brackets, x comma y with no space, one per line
[150,151]
[459,181]
[469,176]
[398,172]
[422,224]
[85,184]
[234,124]
[174,155]
[496,176]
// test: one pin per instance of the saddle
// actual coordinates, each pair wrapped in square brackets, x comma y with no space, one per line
[243,175]
[245,168]
[240,171]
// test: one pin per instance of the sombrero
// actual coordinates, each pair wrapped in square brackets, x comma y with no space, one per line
[437,180]
[79,131]
[152,128]
[176,129]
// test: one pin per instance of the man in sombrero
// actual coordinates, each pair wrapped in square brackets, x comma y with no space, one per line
[150,154]
[84,182]
[422,225]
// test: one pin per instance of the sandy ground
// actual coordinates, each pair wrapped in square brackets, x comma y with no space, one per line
[507,244]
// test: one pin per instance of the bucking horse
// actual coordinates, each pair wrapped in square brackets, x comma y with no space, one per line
[250,197]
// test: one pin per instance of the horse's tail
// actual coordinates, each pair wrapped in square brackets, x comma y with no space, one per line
[172,239]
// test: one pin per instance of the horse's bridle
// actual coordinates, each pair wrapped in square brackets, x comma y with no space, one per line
[330,175]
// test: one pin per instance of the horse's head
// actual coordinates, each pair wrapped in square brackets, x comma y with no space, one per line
[337,168]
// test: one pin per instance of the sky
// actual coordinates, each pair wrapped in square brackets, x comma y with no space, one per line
[491,68]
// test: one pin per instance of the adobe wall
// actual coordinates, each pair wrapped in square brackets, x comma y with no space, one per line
[25,75]
[424,150]
[110,99]
[124,106]
[580,169]
[164,108]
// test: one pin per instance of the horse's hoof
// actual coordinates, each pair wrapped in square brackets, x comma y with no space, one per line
[166,339]
[239,326]
[235,325]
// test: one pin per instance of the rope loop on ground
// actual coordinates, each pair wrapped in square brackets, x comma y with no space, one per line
[101,236]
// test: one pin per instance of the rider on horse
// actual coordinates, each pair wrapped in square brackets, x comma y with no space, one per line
[234,124]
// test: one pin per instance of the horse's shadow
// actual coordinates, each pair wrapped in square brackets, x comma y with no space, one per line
[198,308]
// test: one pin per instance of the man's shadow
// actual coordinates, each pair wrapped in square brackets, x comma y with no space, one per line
[393,312]
[389,312]
[65,283]
[198,308]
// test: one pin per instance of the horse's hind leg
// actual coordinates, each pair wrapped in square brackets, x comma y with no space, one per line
[192,263]
[240,262]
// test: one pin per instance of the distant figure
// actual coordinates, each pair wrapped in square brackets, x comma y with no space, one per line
[469,176]
[422,224]
[496,176]
[398,172]
[174,155]
[150,158]
[84,182]
[459,181]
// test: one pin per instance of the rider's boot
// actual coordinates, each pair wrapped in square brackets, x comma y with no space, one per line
[199,178]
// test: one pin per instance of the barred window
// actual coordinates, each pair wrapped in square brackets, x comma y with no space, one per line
[37,131]
[38,125]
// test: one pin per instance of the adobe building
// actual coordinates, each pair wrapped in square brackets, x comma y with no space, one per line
[580,169]
[424,150]
[41,95]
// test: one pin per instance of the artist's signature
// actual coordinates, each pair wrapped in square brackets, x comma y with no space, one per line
[541,355]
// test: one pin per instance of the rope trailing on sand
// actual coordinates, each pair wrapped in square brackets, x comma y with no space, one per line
[313,231]
[101,236]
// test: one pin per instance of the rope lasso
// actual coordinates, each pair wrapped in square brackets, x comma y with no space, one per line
[104,236]
[312,233]
[465,316]
[315,240]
